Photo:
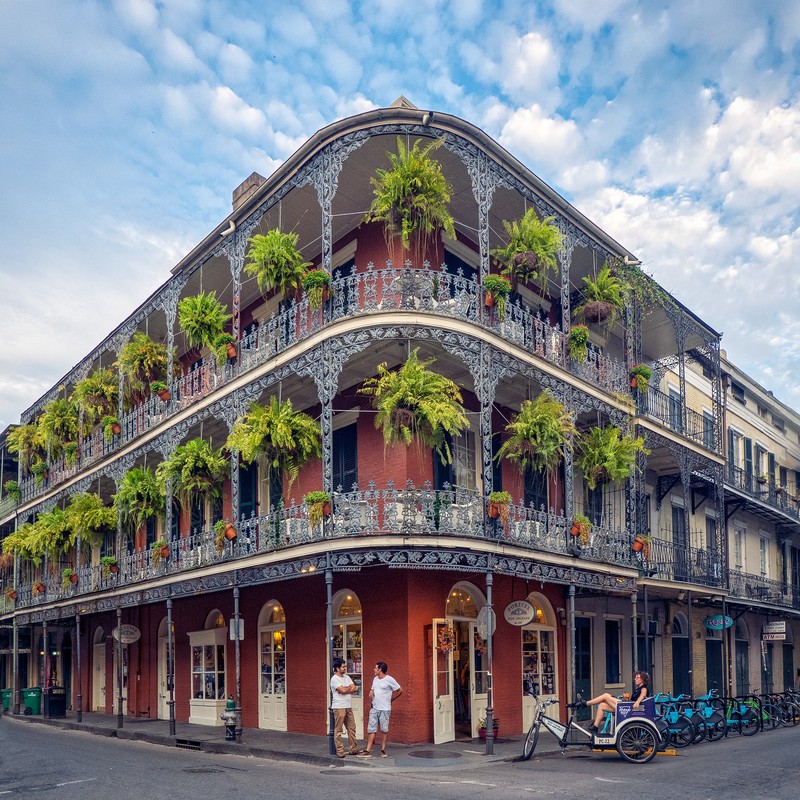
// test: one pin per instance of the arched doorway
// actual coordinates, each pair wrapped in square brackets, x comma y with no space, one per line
[99,670]
[680,654]
[347,644]
[459,666]
[539,656]
[272,667]
[714,673]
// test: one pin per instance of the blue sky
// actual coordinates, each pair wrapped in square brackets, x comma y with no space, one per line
[126,126]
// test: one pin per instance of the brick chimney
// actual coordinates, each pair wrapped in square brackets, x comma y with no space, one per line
[245,190]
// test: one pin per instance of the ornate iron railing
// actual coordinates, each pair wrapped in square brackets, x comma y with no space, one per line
[360,294]
[667,561]
[766,590]
[402,512]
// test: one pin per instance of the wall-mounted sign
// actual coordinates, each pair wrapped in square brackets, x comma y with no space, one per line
[717,622]
[773,637]
[774,627]
[127,634]
[519,613]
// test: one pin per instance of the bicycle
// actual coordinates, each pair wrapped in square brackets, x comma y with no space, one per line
[630,731]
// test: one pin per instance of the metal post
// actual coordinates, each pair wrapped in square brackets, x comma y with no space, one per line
[648,667]
[634,632]
[329,648]
[78,665]
[691,642]
[238,706]
[170,669]
[572,640]
[16,666]
[489,698]
[45,659]
[119,667]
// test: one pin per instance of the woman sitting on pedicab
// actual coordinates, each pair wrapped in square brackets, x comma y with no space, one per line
[605,702]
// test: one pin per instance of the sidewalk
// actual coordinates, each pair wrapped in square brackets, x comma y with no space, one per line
[298,747]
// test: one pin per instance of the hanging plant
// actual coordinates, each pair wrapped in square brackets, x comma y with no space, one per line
[532,249]
[97,395]
[603,297]
[202,318]
[159,550]
[640,377]
[111,427]
[497,290]
[446,641]
[40,471]
[90,518]
[316,283]
[13,491]
[109,565]
[223,531]
[141,362]
[641,544]
[68,577]
[196,471]
[11,593]
[412,197]
[606,455]
[38,588]
[276,262]
[27,441]
[59,424]
[162,390]
[286,438]
[140,497]
[416,405]
[577,343]
[540,434]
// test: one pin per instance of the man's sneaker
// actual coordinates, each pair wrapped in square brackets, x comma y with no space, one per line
[364,754]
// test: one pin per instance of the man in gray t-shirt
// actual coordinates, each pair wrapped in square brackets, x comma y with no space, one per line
[385,690]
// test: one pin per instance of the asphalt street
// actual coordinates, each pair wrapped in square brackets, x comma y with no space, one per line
[40,761]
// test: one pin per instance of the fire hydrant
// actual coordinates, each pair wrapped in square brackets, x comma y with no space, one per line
[230,719]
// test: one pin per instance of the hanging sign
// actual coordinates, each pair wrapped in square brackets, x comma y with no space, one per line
[127,634]
[773,631]
[717,622]
[519,613]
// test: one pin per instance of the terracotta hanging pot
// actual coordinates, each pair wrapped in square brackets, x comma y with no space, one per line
[164,395]
[575,530]
[638,545]
[230,532]
[231,350]
[114,569]
[489,301]
[73,578]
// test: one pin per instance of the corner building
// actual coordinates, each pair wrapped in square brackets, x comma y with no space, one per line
[404,565]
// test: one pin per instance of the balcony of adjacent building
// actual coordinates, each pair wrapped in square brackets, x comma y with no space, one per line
[760,494]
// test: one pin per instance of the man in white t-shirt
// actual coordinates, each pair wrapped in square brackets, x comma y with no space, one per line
[385,690]
[342,687]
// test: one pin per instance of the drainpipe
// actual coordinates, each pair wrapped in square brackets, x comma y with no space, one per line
[572,639]
[489,693]
[119,668]
[238,707]
[691,642]
[170,669]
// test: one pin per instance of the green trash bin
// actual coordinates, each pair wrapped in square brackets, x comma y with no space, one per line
[6,698]
[32,701]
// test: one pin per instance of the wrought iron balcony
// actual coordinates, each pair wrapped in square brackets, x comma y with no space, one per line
[747,586]
[401,512]
[683,420]
[361,294]
[765,489]
[667,561]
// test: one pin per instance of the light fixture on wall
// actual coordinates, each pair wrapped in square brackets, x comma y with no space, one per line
[681,596]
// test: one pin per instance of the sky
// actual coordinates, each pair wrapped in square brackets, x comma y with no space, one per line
[125,125]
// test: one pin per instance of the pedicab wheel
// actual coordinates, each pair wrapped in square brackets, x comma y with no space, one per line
[529,745]
[637,743]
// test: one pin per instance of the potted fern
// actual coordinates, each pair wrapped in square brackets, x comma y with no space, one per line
[140,497]
[412,197]
[97,395]
[13,491]
[286,438]
[316,283]
[497,288]
[141,361]
[196,470]
[640,377]
[40,471]
[641,544]
[161,389]
[111,427]
[158,551]
[606,455]
[603,297]
[276,262]
[223,347]
[498,507]
[581,527]
[539,434]
[416,405]
[223,531]
[577,343]
[532,248]
[68,577]
[319,506]
[109,566]
[202,318]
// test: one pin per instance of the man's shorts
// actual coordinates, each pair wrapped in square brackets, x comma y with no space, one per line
[378,719]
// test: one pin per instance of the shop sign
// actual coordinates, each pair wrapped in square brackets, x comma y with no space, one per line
[773,637]
[127,634]
[717,622]
[774,627]
[519,613]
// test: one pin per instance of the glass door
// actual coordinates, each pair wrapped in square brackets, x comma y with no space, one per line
[444,729]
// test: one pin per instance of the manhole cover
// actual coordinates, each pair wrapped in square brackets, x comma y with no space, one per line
[202,770]
[432,754]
